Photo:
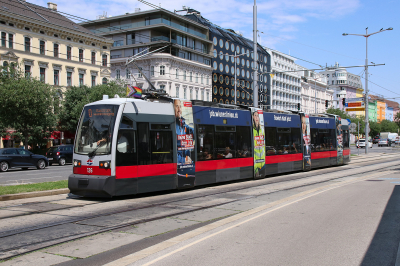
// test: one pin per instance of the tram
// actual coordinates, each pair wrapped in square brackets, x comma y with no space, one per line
[127,146]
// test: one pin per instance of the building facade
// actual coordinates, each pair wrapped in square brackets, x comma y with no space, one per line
[314,92]
[172,51]
[226,43]
[286,83]
[343,83]
[373,111]
[50,47]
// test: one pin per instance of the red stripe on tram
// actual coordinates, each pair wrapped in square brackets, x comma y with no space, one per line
[211,165]
[145,170]
[323,154]
[283,158]
[346,152]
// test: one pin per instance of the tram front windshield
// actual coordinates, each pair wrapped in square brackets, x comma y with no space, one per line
[95,130]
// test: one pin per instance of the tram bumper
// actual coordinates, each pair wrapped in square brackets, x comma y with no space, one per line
[92,185]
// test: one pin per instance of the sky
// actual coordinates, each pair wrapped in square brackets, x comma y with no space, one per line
[310,30]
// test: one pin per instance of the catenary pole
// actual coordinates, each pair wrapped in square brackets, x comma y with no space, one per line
[255,89]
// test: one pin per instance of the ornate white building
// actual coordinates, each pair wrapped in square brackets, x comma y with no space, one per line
[314,92]
[286,83]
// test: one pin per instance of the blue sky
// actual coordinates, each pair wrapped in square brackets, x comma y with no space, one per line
[307,29]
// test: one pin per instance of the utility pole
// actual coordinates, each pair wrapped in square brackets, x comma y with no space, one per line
[255,89]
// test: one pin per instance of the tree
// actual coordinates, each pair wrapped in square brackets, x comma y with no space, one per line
[77,97]
[375,128]
[27,105]
[389,126]
[397,119]
[336,111]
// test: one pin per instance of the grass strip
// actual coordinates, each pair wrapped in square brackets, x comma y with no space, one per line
[4,190]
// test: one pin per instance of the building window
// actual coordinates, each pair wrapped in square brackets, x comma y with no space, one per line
[104,81]
[42,74]
[202,95]
[130,38]
[197,94]
[27,71]
[93,58]
[42,47]
[152,71]
[118,74]
[69,52]
[184,75]
[177,92]
[80,79]
[93,81]
[3,39]
[197,78]
[128,74]
[162,87]
[80,55]
[190,76]
[10,40]
[55,50]
[162,70]
[104,60]
[56,77]
[27,44]
[191,94]
[69,78]
[177,74]
[202,80]
[140,72]
[208,96]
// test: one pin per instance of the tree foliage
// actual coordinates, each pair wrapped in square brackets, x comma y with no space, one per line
[375,128]
[389,126]
[75,98]
[397,119]
[27,105]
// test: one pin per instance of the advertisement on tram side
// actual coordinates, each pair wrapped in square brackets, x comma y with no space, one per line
[339,140]
[257,118]
[185,142]
[305,131]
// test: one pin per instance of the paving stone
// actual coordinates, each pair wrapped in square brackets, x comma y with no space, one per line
[39,207]
[37,258]
[6,213]
[201,202]
[93,245]
[44,234]
[205,215]
[132,216]
[160,226]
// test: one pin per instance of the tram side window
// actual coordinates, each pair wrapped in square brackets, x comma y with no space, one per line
[270,141]
[161,147]
[225,146]
[346,139]
[322,139]
[314,139]
[205,143]
[243,141]
[126,143]
[296,140]
[143,143]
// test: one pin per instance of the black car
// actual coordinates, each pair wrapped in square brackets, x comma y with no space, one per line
[376,139]
[20,158]
[61,154]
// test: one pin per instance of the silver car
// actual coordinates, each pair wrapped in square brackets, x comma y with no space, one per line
[384,142]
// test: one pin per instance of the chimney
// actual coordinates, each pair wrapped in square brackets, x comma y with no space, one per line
[52,6]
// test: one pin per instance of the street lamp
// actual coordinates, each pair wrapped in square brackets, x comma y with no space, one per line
[366,35]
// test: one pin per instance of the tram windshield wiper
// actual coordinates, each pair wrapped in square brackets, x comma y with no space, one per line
[93,153]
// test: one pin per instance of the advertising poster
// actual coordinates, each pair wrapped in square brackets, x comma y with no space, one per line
[185,142]
[305,130]
[257,118]
[339,140]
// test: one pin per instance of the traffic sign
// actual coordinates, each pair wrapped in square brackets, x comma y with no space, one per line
[355,109]
[359,99]
[355,104]
[353,126]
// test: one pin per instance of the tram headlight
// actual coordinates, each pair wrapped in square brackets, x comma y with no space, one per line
[104,164]
[77,163]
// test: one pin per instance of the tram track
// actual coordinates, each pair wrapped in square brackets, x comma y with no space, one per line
[26,248]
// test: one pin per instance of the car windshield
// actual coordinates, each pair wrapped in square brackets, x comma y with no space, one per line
[94,132]
[362,140]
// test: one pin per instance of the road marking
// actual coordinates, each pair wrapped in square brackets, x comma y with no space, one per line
[129,259]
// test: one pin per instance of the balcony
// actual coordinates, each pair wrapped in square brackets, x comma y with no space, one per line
[160,38]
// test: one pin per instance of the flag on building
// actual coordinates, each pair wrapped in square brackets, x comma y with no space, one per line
[133,91]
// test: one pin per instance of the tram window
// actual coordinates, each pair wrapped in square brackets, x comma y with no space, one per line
[243,141]
[205,143]
[346,139]
[296,140]
[284,141]
[323,139]
[270,141]
[225,146]
[224,129]
[158,126]
[143,143]
[126,144]
[314,139]
[161,147]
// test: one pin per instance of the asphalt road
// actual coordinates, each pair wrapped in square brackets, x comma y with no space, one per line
[56,172]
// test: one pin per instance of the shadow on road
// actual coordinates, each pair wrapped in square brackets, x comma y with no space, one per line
[383,248]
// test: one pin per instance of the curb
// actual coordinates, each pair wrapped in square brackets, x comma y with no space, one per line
[34,194]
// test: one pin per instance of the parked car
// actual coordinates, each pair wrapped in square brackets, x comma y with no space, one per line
[384,142]
[361,143]
[20,158]
[376,139]
[60,154]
